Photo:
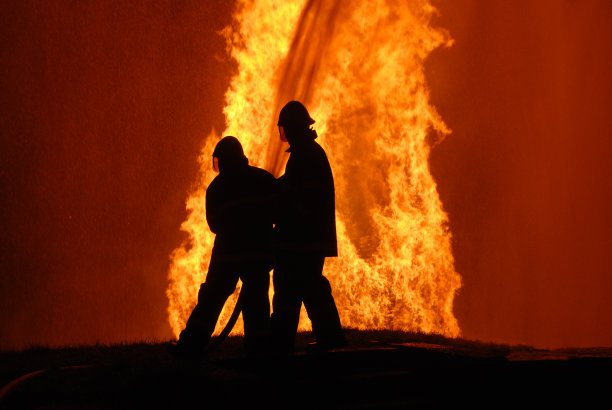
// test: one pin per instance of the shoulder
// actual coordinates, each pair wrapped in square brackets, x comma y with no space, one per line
[215,182]
[260,173]
[308,150]
[317,154]
[314,149]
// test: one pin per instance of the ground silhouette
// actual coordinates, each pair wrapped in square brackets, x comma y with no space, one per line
[381,369]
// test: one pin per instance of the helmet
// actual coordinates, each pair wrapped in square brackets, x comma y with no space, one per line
[228,154]
[294,114]
[229,148]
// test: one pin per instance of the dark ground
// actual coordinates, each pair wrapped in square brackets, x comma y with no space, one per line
[378,370]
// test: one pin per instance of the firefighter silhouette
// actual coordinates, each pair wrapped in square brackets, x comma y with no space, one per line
[239,210]
[305,234]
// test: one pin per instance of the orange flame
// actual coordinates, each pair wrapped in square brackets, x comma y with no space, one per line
[358,68]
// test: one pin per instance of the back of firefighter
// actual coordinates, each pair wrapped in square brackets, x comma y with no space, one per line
[239,211]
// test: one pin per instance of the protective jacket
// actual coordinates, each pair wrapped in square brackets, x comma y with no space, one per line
[307,218]
[239,210]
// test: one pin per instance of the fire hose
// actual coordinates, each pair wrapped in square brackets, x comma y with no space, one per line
[213,344]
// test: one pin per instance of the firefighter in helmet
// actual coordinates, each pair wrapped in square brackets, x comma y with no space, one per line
[305,234]
[239,210]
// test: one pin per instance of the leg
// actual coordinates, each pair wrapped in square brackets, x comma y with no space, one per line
[256,307]
[286,305]
[220,283]
[320,305]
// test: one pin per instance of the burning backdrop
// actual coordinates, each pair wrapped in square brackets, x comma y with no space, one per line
[359,69]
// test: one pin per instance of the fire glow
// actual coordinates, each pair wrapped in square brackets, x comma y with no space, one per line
[358,68]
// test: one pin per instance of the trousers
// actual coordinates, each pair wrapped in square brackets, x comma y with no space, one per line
[220,283]
[297,279]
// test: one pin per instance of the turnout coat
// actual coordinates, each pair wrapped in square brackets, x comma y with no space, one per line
[307,210]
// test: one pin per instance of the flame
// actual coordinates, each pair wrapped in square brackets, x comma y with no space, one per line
[358,68]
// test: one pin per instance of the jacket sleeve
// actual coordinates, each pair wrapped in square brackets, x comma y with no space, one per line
[213,212]
[224,216]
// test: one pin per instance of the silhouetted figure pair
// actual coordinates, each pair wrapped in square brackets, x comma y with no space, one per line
[242,204]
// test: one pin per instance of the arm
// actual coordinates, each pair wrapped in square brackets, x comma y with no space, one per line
[222,216]
[213,213]
[232,215]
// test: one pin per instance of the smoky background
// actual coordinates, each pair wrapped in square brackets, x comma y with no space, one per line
[525,175]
